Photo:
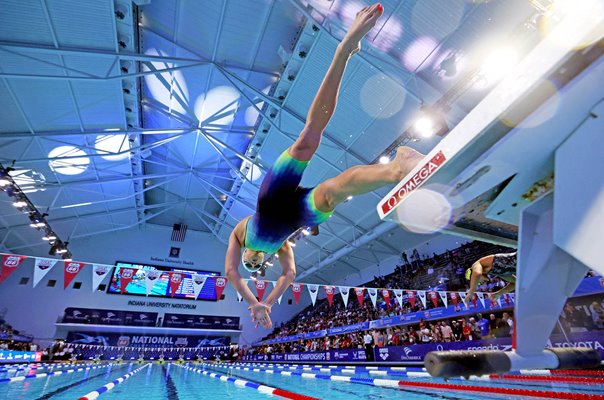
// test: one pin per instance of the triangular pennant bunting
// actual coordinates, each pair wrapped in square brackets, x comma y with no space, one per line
[260,289]
[411,296]
[239,297]
[398,293]
[9,264]
[151,278]
[42,267]
[175,281]
[329,291]
[297,291]
[313,290]
[345,292]
[126,275]
[99,272]
[462,296]
[360,292]
[221,282]
[422,297]
[443,297]
[481,298]
[198,281]
[386,296]
[280,297]
[70,270]
[434,298]
[373,296]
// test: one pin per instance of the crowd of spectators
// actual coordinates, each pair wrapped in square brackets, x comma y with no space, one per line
[479,326]
[8,342]
[405,276]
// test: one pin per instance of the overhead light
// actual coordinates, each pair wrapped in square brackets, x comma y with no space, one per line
[384,160]
[348,198]
[20,204]
[61,251]
[497,64]
[49,238]
[429,122]
[305,232]
[4,182]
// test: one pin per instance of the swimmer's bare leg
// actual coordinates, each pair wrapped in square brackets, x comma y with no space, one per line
[365,178]
[324,103]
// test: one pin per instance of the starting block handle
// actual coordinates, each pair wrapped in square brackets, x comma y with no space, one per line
[447,364]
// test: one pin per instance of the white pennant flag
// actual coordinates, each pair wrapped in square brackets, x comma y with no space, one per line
[280,297]
[198,282]
[422,296]
[150,279]
[462,295]
[499,301]
[373,296]
[99,272]
[398,293]
[443,297]
[344,291]
[481,298]
[239,297]
[313,290]
[43,266]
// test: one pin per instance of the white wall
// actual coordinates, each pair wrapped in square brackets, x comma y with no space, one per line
[35,310]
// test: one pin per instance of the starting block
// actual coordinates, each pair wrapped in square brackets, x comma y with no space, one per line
[525,168]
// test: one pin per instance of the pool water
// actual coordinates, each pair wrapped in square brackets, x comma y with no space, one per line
[184,382]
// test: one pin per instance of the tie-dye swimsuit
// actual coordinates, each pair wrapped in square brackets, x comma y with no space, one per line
[283,206]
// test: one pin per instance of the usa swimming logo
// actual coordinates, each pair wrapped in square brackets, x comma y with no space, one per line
[72,268]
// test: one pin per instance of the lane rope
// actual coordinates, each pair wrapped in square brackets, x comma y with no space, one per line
[269,390]
[108,386]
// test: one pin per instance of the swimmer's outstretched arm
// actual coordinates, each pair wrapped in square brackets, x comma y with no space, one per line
[288,273]
[231,269]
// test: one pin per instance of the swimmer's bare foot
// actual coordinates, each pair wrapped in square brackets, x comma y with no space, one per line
[365,20]
[406,159]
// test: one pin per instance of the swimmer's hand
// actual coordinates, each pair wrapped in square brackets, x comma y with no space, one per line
[365,20]
[260,315]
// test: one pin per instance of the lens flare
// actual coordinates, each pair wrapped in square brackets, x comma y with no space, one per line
[424,211]
[381,96]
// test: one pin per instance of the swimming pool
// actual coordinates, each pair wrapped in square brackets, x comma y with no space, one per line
[262,381]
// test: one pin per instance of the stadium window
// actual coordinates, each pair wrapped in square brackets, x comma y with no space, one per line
[51,283]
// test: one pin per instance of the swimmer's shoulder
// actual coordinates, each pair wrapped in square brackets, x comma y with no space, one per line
[239,230]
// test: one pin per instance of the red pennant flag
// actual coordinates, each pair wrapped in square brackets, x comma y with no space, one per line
[70,270]
[454,298]
[126,275]
[329,290]
[507,299]
[297,289]
[411,295]
[360,292]
[434,298]
[386,295]
[175,281]
[9,264]
[260,288]
[474,298]
[220,282]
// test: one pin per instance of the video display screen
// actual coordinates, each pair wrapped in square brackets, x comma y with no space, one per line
[160,286]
